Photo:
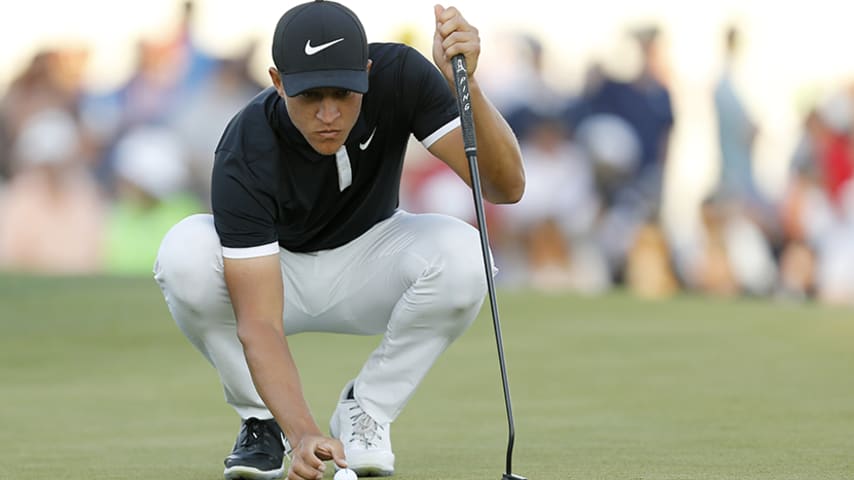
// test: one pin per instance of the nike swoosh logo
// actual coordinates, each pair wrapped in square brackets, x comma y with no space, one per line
[363,146]
[311,50]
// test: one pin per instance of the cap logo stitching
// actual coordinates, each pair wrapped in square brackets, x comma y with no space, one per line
[311,50]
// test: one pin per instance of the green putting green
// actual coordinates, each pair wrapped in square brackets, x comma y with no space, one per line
[98,383]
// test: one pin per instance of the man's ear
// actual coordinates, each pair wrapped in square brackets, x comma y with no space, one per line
[370,62]
[277,80]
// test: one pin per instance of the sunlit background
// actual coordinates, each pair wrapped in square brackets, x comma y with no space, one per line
[793,55]
[793,51]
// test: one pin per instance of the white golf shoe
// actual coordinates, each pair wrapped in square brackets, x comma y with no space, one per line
[367,444]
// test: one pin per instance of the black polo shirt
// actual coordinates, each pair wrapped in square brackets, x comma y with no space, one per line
[270,188]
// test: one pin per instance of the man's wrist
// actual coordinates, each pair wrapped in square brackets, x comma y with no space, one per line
[296,434]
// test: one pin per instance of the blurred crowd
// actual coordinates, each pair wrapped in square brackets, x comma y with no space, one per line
[90,182]
[596,158]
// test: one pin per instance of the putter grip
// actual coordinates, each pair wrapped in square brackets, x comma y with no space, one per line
[461,81]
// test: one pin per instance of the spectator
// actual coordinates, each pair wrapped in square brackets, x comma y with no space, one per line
[152,195]
[836,156]
[733,256]
[52,80]
[51,213]
[552,225]
[835,262]
[207,108]
[613,150]
[529,96]
[644,103]
[815,211]
[736,134]
[169,69]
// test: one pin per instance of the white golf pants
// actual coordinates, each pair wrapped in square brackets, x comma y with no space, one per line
[416,279]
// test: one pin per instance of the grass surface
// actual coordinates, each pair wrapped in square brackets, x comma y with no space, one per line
[98,383]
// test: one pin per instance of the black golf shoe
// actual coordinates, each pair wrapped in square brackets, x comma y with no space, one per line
[258,453]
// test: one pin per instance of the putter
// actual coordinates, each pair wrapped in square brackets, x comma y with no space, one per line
[467,120]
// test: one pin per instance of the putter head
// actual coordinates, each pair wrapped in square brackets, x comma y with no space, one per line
[511,476]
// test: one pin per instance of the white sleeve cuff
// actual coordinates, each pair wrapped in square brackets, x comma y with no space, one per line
[441,132]
[251,252]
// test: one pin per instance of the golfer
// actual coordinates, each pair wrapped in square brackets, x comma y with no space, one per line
[306,235]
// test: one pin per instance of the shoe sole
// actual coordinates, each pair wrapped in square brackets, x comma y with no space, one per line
[372,464]
[250,473]
[371,471]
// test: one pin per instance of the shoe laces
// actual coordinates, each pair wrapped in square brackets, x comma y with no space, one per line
[257,433]
[366,430]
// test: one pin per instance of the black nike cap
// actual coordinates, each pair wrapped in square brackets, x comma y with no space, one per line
[321,44]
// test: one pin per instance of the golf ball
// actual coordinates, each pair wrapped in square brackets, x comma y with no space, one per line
[345,474]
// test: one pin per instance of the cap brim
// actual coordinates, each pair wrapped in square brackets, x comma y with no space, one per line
[296,83]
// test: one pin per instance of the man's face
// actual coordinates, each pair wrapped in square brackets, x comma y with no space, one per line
[325,116]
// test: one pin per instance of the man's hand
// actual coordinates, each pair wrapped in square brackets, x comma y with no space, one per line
[308,457]
[454,35]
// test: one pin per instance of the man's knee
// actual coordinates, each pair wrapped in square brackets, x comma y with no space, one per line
[188,262]
[463,278]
